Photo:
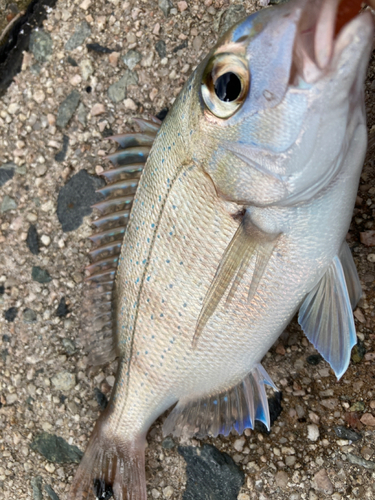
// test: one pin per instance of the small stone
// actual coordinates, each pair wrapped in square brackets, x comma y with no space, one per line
[62,309]
[29,316]
[40,275]
[165,6]
[357,406]
[113,59]
[168,443]
[348,434]
[39,96]
[50,492]
[100,398]
[368,419]
[85,4]
[281,479]
[86,68]
[46,240]
[13,108]
[76,199]
[313,432]
[117,91]
[82,31]
[64,381]
[50,468]
[368,238]
[239,444]
[358,352]
[97,109]
[367,452]
[75,80]
[11,398]
[197,43]
[82,114]
[182,5]
[371,257]
[161,48]
[210,474]
[155,493]
[148,60]
[321,482]
[36,485]
[56,449]
[40,170]
[67,109]
[130,104]
[330,403]
[367,464]
[7,204]
[10,314]
[69,346]
[99,49]
[290,460]
[41,45]
[61,155]
[168,492]
[132,58]
[6,172]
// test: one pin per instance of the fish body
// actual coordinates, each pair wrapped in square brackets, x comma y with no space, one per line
[238,221]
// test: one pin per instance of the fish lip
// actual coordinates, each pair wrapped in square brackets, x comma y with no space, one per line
[317,48]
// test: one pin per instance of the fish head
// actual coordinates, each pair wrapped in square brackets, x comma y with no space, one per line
[280,98]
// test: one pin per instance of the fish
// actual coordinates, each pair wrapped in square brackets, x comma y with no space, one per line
[217,226]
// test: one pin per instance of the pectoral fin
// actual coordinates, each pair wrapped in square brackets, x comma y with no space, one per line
[326,317]
[248,241]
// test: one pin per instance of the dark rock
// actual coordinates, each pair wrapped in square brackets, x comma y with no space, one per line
[6,172]
[345,433]
[168,443]
[82,114]
[358,352]
[100,398]
[6,338]
[40,275]
[62,308]
[50,492]
[96,47]
[32,240]
[102,490]
[165,6]
[60,156]
[161,49]
[132,58]
[314,359]
[182,45]
[117,91]
[29,316]
[2,289]
[69,346]
[76,198]
[36,485]
[72,61]
[80,34]
[4,354]
[10,314]
[210,474]
[162,114]
[108,132]
[67,109]
[354,459]
[56,449]
[275,408]
[7,204]
[41,45]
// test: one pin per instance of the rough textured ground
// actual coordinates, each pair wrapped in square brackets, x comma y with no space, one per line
[46,384]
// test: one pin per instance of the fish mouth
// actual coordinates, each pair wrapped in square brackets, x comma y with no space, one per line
[323,33]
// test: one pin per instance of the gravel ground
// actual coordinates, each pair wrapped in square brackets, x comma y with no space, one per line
[54,121]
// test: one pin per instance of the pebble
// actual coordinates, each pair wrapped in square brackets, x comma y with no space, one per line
[100,398]
[69,346]
[50,492]
[82,31]
[165,6]
[368,238]
[348,434]
[210,474]
[132,58]
[67,109]
[321,482]
[371,257]
[61,155]
[281,479]
[358,351]
[64,381]
[97,109]
[367,464]
[13,108]
[40,275]
[41,45]
[6,172]
[86,68]
[7,204]
[81,116]
[36,485]
[168,443]
[130,104]
[197,43]
[76,198]
[168,492]
[29,316]
[10,314]
[313,432]
[11,398]
[39,96]
[117,91]
[368,419]
[182,5]
[45,239]
[40,170]
[161,49]
[62,309]
[239,444]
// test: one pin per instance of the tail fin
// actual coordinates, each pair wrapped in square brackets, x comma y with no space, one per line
[111,466]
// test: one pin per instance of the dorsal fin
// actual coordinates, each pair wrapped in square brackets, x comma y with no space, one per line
[98,325]
[236,408]
[247,241]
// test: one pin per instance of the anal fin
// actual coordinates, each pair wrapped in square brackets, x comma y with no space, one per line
[236,408]
[351,276]
[326,317]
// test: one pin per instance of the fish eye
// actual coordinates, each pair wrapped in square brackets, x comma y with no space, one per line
[228,87]
[225,84]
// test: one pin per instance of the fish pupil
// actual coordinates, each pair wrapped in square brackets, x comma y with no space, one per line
[228,87]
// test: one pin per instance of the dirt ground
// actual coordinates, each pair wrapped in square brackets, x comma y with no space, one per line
[302,458]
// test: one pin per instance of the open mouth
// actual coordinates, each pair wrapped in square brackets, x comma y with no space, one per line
[319,28]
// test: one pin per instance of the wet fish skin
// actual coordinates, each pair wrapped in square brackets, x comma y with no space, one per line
[275,160]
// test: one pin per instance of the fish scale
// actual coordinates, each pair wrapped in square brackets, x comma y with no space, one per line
[238,222]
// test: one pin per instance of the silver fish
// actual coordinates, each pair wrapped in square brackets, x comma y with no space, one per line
[239,220]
